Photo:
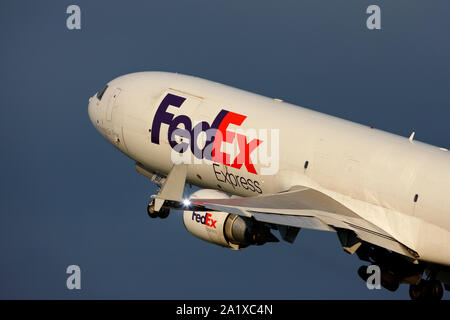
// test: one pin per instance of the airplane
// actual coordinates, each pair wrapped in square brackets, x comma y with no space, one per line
[264,166]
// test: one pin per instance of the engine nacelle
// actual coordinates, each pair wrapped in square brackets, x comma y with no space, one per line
[223,228]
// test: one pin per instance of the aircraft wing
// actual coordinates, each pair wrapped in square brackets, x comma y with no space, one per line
[307,208]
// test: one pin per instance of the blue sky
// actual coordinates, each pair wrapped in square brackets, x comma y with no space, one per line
[68,197]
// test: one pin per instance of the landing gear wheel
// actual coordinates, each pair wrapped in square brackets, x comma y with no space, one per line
[437,290]
[362,272]
[426,290]
[415,291]
[389,281]
[151,210]
[164,213]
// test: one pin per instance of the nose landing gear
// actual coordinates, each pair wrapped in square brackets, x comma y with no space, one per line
[162,213]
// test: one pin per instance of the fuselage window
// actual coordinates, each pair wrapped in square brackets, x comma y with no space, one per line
[101,92]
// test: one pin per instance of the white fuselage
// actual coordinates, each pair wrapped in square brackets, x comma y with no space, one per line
[401,186]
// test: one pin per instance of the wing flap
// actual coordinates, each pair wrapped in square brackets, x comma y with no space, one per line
[303,207]
[294,221]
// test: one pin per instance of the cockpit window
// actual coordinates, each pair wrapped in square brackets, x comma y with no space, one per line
[101,92]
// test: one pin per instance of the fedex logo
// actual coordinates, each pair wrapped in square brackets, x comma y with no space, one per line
[205,219]
[216,134]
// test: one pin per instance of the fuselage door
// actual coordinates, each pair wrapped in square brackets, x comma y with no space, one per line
[112,103]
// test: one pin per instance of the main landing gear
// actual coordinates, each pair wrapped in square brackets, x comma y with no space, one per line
[162,213]
[396,270]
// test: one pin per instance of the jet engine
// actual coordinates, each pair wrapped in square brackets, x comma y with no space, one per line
[223,228]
